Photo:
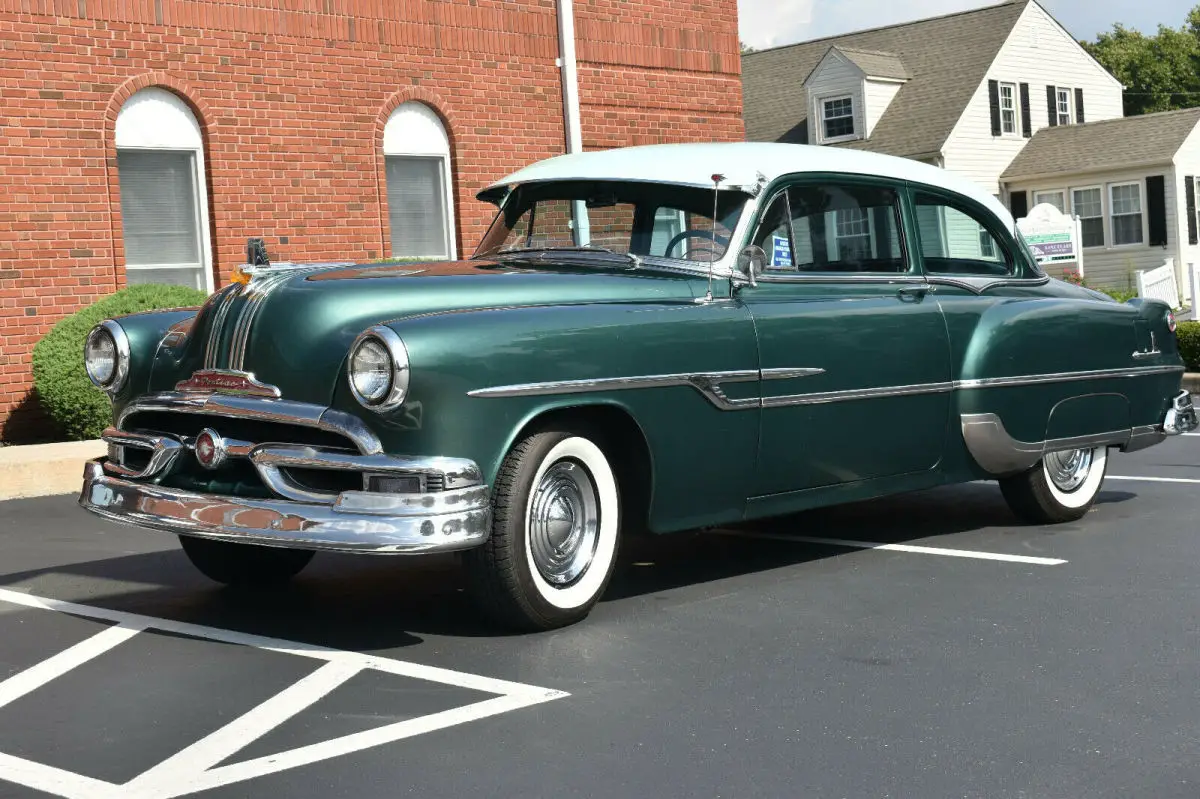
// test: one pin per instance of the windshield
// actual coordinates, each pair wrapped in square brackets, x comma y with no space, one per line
[628,218]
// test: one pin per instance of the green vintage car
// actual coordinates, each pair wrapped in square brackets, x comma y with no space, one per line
[649,339]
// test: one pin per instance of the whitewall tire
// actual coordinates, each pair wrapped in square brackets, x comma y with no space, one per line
[1061,487]
[555,533]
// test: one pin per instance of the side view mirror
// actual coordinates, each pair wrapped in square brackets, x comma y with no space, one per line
[751,261]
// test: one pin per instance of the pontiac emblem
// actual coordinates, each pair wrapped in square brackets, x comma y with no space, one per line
[224,381]
[210,449]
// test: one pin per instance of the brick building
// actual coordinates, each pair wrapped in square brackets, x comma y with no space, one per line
[146,140]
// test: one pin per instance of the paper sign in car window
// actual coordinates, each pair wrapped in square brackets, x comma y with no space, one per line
[781,251]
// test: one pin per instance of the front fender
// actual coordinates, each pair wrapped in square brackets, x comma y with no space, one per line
[702,456]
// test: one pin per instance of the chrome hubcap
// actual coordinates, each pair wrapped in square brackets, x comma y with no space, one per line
[1067,470]
[564,523]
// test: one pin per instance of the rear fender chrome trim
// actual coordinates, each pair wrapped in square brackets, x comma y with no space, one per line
[998,453]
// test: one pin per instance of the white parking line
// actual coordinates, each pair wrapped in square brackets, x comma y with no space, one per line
[1152,479]
[920,550]
[195,768]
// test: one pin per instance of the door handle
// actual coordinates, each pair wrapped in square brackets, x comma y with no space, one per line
[914,292]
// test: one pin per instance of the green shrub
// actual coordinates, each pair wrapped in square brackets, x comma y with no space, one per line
[1120,295]
[81,410]
[1189,344]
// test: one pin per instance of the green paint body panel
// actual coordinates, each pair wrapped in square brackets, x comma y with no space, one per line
[478,324]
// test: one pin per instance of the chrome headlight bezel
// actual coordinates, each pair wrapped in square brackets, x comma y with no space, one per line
[120,341]
[397,391]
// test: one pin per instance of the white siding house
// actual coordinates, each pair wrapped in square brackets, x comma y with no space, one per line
[1132,182]
[1037,62]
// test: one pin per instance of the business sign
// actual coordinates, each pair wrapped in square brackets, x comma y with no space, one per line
[1054,237]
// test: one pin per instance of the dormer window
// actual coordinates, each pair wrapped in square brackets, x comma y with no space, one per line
[837,117]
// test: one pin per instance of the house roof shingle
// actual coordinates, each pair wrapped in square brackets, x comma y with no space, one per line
[947,57]
[876,64]
[1094,146]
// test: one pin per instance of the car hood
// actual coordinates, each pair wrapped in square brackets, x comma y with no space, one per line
[293,328]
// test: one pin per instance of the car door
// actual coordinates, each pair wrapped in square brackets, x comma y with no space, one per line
[854,354]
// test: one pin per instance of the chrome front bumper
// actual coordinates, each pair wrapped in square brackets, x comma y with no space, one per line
[358,521]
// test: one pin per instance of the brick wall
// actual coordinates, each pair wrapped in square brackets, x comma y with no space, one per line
[292,100]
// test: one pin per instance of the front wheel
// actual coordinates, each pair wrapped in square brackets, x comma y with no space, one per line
[244,565]
[553,545]
[1061,488]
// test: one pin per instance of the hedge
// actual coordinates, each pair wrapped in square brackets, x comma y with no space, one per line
[79,409]
[1189,344]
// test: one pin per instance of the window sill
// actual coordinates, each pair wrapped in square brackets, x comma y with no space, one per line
[840,139]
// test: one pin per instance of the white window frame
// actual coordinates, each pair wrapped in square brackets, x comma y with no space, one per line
[1014,110]
[1103,214]
[869,234]
[1111,217]
[987,244]
[414,130]
[822,105]
[1062,195]
[1059,93]
[155,118]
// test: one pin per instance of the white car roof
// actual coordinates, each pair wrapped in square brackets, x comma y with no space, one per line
[741,163]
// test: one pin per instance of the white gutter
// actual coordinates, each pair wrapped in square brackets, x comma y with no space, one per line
[570,88]
[570,80]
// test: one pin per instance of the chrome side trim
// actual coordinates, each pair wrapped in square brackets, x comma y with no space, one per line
[708,384]
[454,523]
[1000,454]
[267,410]
[978,285]
[1066,377]
[857,394]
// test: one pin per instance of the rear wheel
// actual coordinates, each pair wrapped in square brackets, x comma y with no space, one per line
[553,545]
[1062,486]
[244,565]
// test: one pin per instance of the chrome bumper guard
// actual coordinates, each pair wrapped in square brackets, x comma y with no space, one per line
[1181,416]
[358,521]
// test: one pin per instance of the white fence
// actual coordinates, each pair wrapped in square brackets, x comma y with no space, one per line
[1160,284]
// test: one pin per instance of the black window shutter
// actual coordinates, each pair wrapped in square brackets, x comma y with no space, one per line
[1079,106]
[1156,206]
[1026,121]
[1189,190]
[994,101]
[1018,203]
[1052,105]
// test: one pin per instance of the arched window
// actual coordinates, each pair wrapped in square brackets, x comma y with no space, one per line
[164,205]
[416,153]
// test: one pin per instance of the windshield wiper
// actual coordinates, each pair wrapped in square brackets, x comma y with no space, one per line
[634,260]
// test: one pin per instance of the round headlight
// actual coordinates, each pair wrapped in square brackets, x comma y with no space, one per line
[106,356]
[378,369]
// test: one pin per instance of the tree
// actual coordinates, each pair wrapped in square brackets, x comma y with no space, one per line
[1160,72]
[748,49]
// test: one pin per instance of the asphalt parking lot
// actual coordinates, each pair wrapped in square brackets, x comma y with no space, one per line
[970,657]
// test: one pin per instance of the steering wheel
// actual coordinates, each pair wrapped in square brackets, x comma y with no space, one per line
[694,234]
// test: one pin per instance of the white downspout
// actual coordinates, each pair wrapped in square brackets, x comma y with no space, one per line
[570,88]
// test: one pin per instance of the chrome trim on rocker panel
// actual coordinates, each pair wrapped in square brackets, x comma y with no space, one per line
[998,453]
[267,410]
[446,524]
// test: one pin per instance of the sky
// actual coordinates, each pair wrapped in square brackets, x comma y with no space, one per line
[769,23]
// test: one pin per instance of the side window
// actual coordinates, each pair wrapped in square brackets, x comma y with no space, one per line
[846,228]
[955,241]
[773,237]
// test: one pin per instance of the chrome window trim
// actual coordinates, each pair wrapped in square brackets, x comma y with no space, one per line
[708,384]
[981,285]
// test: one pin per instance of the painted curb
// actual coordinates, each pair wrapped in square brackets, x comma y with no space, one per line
[39,470]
